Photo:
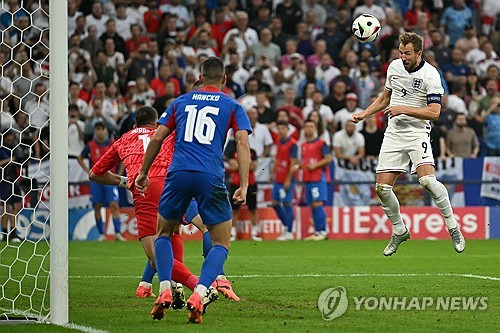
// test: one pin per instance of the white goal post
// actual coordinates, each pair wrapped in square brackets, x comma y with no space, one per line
[58,27]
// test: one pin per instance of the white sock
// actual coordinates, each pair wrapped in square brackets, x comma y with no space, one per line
[145,284]
[164,285]
[390,204]
[439,195]
[201,290]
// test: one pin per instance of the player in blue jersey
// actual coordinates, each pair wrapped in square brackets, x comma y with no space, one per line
[201,120]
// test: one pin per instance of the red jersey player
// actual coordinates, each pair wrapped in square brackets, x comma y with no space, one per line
[130,150]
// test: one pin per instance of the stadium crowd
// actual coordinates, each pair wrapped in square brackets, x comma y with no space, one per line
[286,60]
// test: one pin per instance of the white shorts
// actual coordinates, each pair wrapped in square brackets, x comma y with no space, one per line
[398,150]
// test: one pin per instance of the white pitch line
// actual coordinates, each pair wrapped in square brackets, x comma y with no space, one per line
[257,276]
[81,328]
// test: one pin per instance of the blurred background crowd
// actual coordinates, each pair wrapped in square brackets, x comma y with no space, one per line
[285,60]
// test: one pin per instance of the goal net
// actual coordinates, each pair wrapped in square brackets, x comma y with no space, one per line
[25,161]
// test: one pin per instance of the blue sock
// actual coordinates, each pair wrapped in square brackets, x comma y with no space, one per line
[281,213]
[149,272]
[164,257]
[118,225]
[288,209]
[212,265]
[207,246]
[319,217]
[99,225]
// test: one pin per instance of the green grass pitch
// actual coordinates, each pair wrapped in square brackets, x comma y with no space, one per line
[279,285]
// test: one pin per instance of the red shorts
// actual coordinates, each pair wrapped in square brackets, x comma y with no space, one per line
[146,207]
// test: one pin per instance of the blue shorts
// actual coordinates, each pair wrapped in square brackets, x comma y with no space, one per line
[209,191]
[315,191]
[103,194]
[282,195]
[191,211]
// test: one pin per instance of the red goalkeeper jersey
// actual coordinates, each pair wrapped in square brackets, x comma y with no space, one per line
[130,149]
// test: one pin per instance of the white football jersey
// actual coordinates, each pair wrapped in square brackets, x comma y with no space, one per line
[418,88]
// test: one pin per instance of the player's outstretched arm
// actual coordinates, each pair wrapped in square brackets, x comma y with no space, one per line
[154,146]
[378,105]
[109,178]
[243,151]
[430,112]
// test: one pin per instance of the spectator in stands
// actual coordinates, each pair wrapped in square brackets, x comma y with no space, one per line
[373,137]
[490,59]
[97,116]
[326,72]
[263,19]
[295,112]
[334,39]
[81,30]
[455,100]
[73,98]
[266,115]
[469,41]
[144,95]
[366,84]
[441,52]
[10,193]
[140,65]
[370,8]
[260,139]
[249,99]
[279,36]
[457,70]
[296,72]
[152,18]
[76,135]
[73,13]
[205,44]
[174,7]
[86,89]
[38,107]
[430,57]
[116,59]
[266,49]
[92,43]
[455,18]
[336,100]
[349,144]
[304,46]
[136,39]
[109,109]
[168,29]
[345,114]
[461,141]
[244,36]
[282,116]
[233,86]
[412,16]
[290,13]
[489,114]
[97,18]
[124,21]
[119,41]
[325,111]
[104,72]
[158,83]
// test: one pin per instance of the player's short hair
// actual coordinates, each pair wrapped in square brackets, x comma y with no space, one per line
[145,115]
[197,85]
[411,37]
[282,123]
[212,70]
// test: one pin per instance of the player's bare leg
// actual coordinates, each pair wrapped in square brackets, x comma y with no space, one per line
[439,195]
[220,234]
[165,229]
[98,221]
[115,213]
[234,225]
[145,289]
[222,284]
[384,183]
[255,225]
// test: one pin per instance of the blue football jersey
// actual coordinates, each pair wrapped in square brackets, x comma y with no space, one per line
[201,120]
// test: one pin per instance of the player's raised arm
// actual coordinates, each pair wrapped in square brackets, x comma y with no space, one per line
[378,105]
[100,171]
[154,146]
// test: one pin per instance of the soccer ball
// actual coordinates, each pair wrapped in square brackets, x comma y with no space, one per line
[366,28]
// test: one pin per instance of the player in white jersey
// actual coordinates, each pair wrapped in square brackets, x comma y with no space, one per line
[411,98]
